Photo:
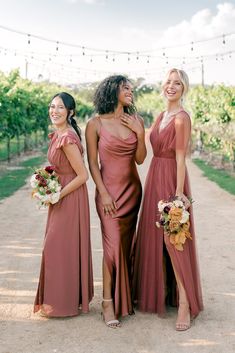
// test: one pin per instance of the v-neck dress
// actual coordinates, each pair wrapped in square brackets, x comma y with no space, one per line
[66,280]
[121,179]
[154,282]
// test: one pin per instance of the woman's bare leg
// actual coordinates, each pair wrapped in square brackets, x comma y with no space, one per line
[107,304]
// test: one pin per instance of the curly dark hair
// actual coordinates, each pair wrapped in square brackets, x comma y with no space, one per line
[106,95]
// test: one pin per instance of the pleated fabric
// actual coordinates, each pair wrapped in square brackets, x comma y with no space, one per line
[154,282]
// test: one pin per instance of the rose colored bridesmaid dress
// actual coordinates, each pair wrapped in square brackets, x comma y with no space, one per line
[66,280]
[154,283]
[121,179]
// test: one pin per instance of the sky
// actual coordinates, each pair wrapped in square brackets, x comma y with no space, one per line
[87,40]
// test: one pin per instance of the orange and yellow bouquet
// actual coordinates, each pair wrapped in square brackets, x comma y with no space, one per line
[174,219]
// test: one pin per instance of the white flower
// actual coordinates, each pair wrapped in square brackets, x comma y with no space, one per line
[54,197]
[33,181]
[161,205]
[185,217]
[178,203]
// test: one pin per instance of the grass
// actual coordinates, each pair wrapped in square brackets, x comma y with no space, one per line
[12,180]
[219,176]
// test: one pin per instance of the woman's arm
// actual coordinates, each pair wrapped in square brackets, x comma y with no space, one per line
[74,156]
[183,131]
[92,137]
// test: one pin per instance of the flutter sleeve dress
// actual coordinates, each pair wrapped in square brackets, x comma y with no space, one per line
[66,280]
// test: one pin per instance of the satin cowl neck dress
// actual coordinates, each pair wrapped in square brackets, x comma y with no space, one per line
[121,179]
[66,280]
[154,282]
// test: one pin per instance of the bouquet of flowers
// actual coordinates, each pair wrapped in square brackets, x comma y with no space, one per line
[46,186]
[174,219]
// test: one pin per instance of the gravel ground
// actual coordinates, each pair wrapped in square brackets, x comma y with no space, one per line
[22,232]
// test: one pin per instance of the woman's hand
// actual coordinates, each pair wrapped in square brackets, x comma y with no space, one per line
[132,123]
[184,199]
[109,206]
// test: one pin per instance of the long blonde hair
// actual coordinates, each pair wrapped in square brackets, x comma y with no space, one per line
[183,78]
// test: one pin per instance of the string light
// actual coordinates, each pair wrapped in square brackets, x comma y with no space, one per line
[115,52]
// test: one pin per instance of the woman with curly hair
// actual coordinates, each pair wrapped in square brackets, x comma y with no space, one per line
[116,136]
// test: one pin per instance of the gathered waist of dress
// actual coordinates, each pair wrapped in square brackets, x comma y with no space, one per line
[165,157]
[59,173]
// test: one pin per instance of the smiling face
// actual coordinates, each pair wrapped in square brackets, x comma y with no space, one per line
[58,113]
[173,87]
[125,95]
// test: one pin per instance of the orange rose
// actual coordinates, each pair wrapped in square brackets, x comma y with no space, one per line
[186,226]
[175,214]
[174,225]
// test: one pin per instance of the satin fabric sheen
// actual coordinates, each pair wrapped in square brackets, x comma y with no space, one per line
[66,279]
[120,177]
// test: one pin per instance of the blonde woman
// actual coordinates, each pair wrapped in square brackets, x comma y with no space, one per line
[163,274]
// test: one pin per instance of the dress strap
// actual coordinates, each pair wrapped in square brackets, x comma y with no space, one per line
[99,124]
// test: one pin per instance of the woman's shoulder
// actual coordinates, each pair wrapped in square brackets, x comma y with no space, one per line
[182,116]
[68,137]
[93,124]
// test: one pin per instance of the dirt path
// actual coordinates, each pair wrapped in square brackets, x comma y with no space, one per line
[22,230]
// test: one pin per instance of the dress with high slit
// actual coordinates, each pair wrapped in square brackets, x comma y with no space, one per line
[154,281]
[121,179]
[66,281]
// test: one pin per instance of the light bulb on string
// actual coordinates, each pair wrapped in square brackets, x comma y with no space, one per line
[167,62]
[107,55]
[230,55]
[148,60]
[137,55]
[57,46]
[114,59]
[224,39]
[128,57]
[164,54]
[192,46]
[183,62]
[91,60]
[83,51]
[29,39]
[71,60]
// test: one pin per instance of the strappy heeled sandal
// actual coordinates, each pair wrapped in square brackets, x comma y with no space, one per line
[183,326]
[113,323]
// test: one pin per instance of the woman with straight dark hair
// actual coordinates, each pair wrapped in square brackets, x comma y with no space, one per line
[66,281]
[116,135]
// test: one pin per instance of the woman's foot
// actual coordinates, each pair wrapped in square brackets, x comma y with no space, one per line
[108,314]
[183,319]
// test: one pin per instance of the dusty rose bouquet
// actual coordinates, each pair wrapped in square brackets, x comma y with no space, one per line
[174,219]
[46,186]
